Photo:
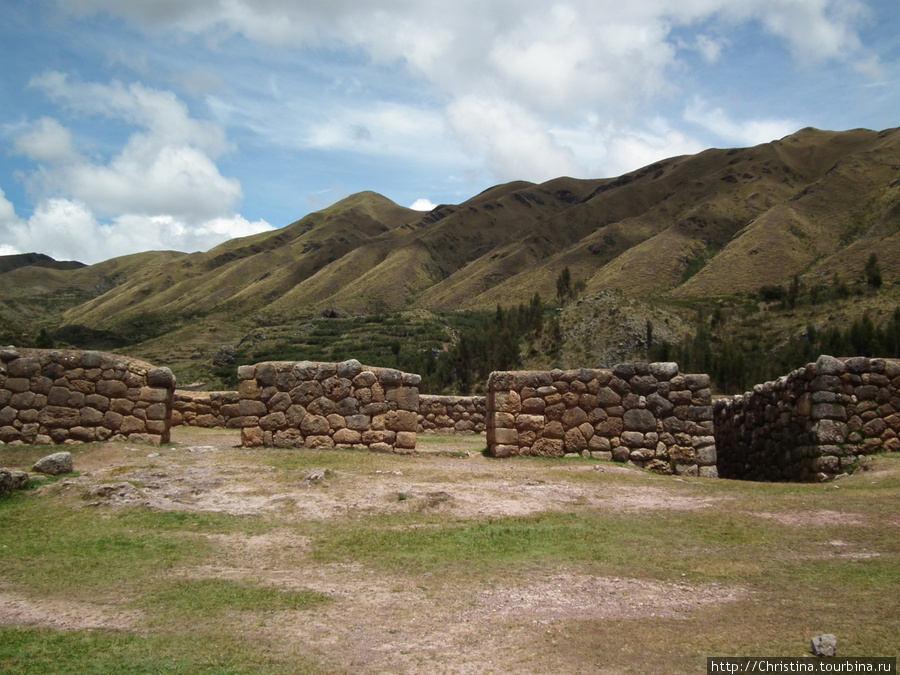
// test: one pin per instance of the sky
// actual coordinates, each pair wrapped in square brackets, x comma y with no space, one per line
[180,124]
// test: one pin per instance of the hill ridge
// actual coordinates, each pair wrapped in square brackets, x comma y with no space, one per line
[813,204]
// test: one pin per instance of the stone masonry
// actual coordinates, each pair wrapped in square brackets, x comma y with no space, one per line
[812,424]
[206,409]
[315,405]
[65,396]
[648,414]
[452,414]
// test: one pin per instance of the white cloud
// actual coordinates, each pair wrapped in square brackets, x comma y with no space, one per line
[161,113]
[745,133]
[510,138]
[381,127]
[816,29]
[60,228]
[46,141]
[512,73]
[423,204]
[7,211]
[67,230]
[162,190]
[710,48]
[151,177]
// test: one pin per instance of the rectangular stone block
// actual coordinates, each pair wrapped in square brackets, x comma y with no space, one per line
[401,420]
[505,437]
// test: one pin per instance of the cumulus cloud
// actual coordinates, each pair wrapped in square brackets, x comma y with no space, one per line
[740,133]
[161,190]
[511,139]
[423,204]
[527,89]
[68,230]
[161,113]
[511,71]
[46,141]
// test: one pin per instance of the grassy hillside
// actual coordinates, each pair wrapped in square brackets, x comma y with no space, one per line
[688,232]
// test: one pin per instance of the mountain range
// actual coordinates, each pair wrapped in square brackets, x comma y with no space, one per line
[813,205]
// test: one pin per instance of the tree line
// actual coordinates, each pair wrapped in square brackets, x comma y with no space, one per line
[734,366]
[492,342]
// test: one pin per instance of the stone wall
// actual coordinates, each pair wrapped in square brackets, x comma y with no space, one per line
[812,424]
[206,409]
[648,414]
[305,404]
[452,414]
[64,396]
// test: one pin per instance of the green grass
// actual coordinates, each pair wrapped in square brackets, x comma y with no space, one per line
[204,597]
[38,651]
[74,552]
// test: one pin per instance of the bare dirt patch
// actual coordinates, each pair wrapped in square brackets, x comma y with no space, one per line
[17,609]
[815,518]
[220,478]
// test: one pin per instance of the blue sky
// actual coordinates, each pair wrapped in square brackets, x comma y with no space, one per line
[178,124]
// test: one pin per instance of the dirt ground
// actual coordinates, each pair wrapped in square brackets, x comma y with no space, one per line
[379,622]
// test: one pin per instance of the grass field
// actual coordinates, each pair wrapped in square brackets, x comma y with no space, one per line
[203,556]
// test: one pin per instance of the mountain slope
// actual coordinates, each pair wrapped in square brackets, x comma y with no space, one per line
[815,204]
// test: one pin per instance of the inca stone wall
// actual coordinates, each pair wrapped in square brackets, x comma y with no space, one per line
[57,396]
[812,424]
[648,414]
[207,409]
[452,414]
[314,405]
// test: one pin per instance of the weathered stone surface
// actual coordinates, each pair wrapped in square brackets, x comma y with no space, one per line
[828,365]
[596,410]
[249,407]
[406,398]
[573,417]
[503,436]
[349,369]
[315,425]
[55,464]
[824,645]
[507,401]
[401,420]
[11,480]
[309,404]
[347,436]
[663,371]
[548,447]
[575,441]
[639,420]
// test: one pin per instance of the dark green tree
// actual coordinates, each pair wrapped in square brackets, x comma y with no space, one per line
[564,285]
[43,341]
[873,272]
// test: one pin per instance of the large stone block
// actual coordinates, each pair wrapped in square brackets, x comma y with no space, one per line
[507,401]
[547,447]
[315,425]
[347,436]
[55,416]
[573,417]
[405,398]
[529,422]
[250,407]
[111,389]
[505,436]
[639,420]
[401,420]
[273,421]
